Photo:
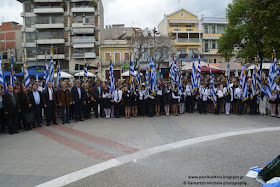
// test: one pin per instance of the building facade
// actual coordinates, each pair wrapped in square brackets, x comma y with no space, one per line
[118,48]
[71,30]
[10,40]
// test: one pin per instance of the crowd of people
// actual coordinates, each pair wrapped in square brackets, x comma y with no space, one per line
[27,108]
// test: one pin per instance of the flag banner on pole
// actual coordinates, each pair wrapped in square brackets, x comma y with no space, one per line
[193,79]
[138,79]
[147,78]
[58,77]
[259,79]
[46,72]
[13,73]
[244,87]
[241,77]
[180,84]
[112,80]
[253,85]
[2,76]
[272,78]
[12,77]
[85,73]
[228,79]
[198,72]
[153,77]
[51,71]
[172,74]
[213,91]
[26,77]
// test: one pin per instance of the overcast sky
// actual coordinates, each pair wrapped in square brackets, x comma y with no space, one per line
[137,13]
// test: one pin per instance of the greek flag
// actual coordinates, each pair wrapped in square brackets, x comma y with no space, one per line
[147,78]
[198,72]
[244,87]
[51,71]
[112,80]
[138,80]
[12,80]
[153,77]
[241,77]
[194,79]
[26,77]
[259,79]
[180,84]
[58,77]
[172,74]
[2,76]
[213,91]
[132,77]
[272,78]
[85,73]
[253,85]
[228,79]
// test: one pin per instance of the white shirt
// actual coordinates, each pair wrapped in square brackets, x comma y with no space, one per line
[231,93]
[117,95]
[40,89]
[220,93]
[143,95]
[50,93]
[238,93]
[79,92]
[159,92]
[36,97]
[106,95]
[204,94]
[188,90]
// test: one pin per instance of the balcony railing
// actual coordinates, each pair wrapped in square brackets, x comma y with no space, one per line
[212,36]
[182,29]
[84,55]
[115,63]
[82,9]
[48,9]
[49,26]
[50,41]
[83,39]
[188,40]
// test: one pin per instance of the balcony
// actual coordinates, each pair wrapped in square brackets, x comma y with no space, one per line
[83,9]
[188,40]
[87,45]
[55,56]
[27,14]
[182,29]
[84,55]
[84,39]
[49,26]
[50,41]
[83,25]
[83,31]
[48,1]
[212,36]
[115,63]
[211,51]
[48,10]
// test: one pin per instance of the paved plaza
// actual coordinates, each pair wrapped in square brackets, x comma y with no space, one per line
[38,156]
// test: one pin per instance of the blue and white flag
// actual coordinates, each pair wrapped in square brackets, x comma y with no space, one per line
[132,76]
[46,73]
[241,77]
[112,80]
[213,91]
[253,85]
[244,87]
[172,74]
[228,79]
[147,78]
[194,79]
[272,78]
[259,79]
[51,71]
[198,72]
[26,77]
[2,76]
[58,76]
[137,77]
[85,73]
[153,77]
[180,84]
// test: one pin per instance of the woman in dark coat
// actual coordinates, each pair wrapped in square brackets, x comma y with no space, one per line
[127,99]
[26,108]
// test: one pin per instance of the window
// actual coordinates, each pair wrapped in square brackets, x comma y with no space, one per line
[57,49]
[89,19]
[117,57]
[182,14]
[51,35]
[29,22]
[30,37]
[188,25]
[215,61]
[107,57]
[213,29]
[193,53]
[28,7]
[206,29]
[206,46]
[126,56]
[213,44]
[31,51]
[78,19]
[174,25]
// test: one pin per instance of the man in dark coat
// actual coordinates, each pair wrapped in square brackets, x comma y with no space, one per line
[64,100]
[36,102]
[50,100]
[78,98]
[11,107]
[97,95]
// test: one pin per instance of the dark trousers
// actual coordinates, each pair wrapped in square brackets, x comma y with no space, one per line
[37,113]
[12,123]
[2,120]
[204,107]
[117,109]
[51,112]
[218,108]
[187,104]
[87,109]
[100,103]
[142,107]
[72,112]
[78,110]
[253,105]
[200,105]
[65,114]
[151,107]
[239,106]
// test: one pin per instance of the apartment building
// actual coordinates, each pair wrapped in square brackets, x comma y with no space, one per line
[117,47]
[10,41]
[183,27]
[68,28]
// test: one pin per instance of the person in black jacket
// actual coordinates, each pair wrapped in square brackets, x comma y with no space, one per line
[127,101]
[50,100]
[97,95]
[87,107]
[36,102]
[25,107]
[11,106]
[78,98]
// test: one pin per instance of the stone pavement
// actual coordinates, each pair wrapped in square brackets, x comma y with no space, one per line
[37,156]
